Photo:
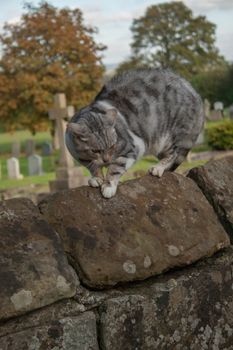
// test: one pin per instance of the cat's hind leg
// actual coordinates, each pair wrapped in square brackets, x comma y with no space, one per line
[168,162]
[165,163]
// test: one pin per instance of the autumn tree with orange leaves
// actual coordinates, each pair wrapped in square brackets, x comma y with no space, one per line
[48,51]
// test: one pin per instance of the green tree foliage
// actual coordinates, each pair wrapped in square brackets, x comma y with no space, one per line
[48,51]
[216,84]
[169,35]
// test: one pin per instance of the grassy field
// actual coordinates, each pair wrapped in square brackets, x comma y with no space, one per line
[49,163]
[6,140]
[27,181]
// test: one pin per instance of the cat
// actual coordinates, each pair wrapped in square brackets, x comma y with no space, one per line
[138,112]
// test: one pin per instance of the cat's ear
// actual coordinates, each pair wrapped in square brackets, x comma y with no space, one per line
[79,130]
[111,117]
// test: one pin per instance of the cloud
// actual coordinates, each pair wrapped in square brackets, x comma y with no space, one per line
[14,20]
[204,6]
[224,43]
[99,18]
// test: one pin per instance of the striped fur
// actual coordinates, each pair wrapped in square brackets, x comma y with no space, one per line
[146,111]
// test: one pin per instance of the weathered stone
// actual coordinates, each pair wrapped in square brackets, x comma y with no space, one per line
[70,333]
[216,182]
[15,149]
[35,165]
[13,169]
[150,226]
[47,149]
[43,316]
[33,267]
[186,310]
[29,147]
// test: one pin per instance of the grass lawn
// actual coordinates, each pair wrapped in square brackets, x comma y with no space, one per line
[27,181]
[49,163]
[6,139]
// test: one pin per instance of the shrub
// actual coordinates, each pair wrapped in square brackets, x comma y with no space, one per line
[220,137]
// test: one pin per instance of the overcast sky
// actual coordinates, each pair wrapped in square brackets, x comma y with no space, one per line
[114,18]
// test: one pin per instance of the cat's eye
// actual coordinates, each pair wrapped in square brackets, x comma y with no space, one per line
[96,151]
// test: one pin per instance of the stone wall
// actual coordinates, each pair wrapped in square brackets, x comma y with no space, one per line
[151,268]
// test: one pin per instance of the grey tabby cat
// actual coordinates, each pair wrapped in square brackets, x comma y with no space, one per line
[142,111]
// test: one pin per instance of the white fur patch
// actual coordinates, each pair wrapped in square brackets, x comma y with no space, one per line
[162,143]
[129,163]
[108,191]
[139,143]
[106,105]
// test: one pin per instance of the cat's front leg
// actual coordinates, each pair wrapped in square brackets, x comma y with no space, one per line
[115,171]
[97,178]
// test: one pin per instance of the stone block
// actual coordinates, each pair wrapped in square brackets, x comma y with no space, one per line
[186,310]
[150,226]
[215,179]
[34,271]
[68,178]
[70,333]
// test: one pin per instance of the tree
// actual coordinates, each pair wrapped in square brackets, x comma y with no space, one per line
[216,84]
[48,51]
[169,35]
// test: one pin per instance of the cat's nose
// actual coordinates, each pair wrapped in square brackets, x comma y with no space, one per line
[106,158]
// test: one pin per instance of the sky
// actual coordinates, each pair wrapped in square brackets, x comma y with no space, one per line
[113,19]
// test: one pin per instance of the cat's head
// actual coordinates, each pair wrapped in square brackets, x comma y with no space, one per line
[94,137]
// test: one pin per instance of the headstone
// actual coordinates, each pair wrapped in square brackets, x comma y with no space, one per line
[35,165]
[231,112]
[201,138]
[67,175]
[206,108]
[47,149]
[13,169]
[15,150]
[70,112]
[59,113]
[55,140]
[30,147]
[215,115]
[218,106]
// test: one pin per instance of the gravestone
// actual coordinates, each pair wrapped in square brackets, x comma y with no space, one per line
[55,140]
[15,149]
[201,138]
[206,108]
[218,106]
[47,149]
[215,115]
[231,112]
[35,165]
[67,175]
[13,169]
[29,147]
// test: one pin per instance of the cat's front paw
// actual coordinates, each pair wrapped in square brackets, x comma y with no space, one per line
[95,182]
[108,190]
[157,170]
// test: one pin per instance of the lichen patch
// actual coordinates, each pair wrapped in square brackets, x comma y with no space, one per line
[129,267]
[173,250]
[22,299]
